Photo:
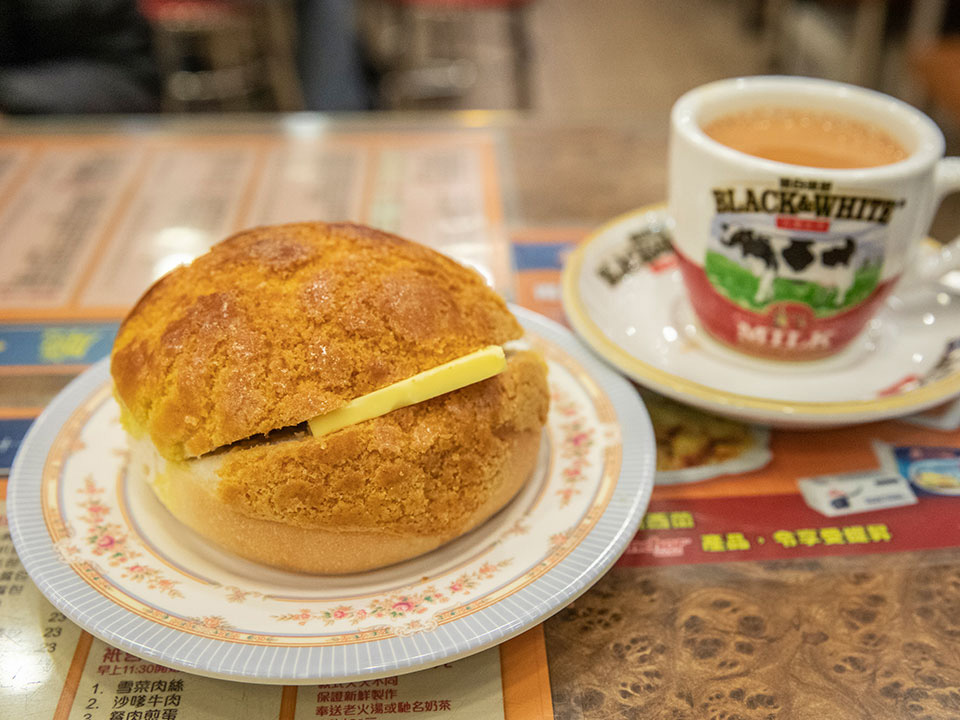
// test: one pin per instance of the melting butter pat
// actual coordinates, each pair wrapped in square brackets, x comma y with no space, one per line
[463,371]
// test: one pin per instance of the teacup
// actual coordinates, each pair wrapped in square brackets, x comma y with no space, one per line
[797,205]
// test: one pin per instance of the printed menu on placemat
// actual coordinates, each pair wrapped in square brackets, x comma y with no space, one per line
[64,205]
[108,216]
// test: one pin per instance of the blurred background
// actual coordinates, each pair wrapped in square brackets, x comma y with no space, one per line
[619,63]
[576,59]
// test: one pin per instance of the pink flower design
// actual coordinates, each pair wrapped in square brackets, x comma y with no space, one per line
[417,602]
[580,438]
[212,625]
[577,439]
[518,528]
[109,539]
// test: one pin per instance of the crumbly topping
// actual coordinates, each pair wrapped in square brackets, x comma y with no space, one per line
[276,325]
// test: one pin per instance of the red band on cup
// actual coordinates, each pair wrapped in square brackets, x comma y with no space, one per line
[783,330]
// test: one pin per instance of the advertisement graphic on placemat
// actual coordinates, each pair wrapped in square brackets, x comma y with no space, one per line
[54,345]
[930,470]
[869,489]
[538,257]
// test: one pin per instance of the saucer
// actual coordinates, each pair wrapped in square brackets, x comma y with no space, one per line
[623,293]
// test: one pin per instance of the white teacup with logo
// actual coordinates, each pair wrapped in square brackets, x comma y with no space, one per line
[789,261]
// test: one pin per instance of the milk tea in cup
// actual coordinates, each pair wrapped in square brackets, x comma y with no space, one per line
[799,136]
[797,205]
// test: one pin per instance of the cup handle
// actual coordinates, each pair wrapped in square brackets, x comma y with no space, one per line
[946,180]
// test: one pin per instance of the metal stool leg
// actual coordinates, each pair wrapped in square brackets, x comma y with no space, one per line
[280,65]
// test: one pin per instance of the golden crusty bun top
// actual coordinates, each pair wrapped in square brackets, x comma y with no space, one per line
[276,325]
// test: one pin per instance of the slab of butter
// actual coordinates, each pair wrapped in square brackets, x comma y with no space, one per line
[463,371]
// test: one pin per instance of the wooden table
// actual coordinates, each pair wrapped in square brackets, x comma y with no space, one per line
[817,633]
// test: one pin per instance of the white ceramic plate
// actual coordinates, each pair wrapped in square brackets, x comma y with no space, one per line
[758,455]
[110,557]
[634,312]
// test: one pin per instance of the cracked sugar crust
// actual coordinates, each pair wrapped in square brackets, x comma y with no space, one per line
[278,324]
[423,469]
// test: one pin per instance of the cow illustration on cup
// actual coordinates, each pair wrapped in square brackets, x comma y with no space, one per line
[769,256]
[757,265]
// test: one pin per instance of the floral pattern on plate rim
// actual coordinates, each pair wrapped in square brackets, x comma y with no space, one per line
[410,606]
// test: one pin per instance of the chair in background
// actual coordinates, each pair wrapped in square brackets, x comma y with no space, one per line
[837,39]
[75,57]
[450,54]
[938,69]
[224,54]
[934,60]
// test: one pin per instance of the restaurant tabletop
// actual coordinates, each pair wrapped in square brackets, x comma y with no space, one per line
[736,598]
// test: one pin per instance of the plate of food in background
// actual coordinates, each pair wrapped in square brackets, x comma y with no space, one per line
[693,445]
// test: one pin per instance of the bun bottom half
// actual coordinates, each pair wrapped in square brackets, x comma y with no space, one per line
[189,491]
